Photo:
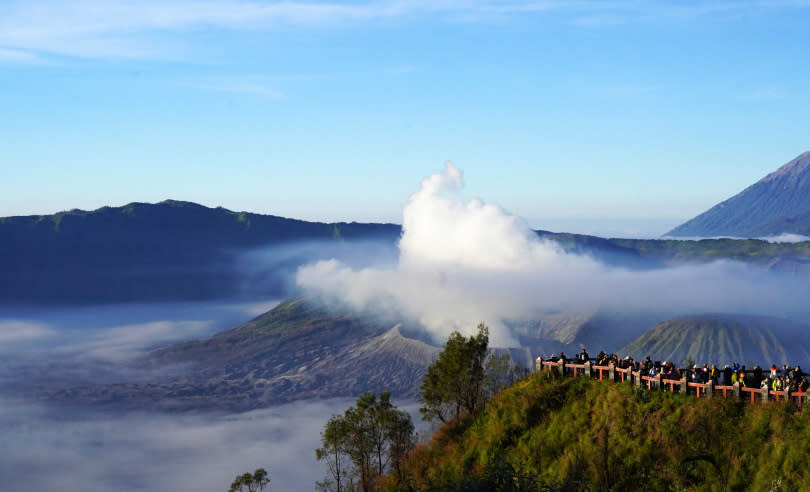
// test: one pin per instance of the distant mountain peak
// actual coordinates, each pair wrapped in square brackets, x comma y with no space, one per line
[795,168]
[776,204]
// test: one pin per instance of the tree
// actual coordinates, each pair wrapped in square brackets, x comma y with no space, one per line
[501,372]
[251,483]
[400,442]
[454,383]
[333,452]
[364,443]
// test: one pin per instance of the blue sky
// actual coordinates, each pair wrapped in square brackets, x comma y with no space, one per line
[614,117]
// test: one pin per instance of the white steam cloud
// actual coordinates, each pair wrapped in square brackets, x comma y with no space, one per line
[462,262]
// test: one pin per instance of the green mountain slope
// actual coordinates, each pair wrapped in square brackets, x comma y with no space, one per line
[581,434]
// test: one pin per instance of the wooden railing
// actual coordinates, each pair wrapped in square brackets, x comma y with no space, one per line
[657,383]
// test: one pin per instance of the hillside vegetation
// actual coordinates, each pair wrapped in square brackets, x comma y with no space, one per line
[651,253]
[549,433]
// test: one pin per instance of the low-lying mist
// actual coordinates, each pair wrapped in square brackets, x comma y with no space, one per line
[97,344]
[463,261]
[272,270]
[46,448]
[786,237]
[68,447]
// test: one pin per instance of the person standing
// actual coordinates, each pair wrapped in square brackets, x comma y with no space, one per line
[583,356]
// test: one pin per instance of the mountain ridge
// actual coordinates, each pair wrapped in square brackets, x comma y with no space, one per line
[172,250]
[182,251]
[722,338]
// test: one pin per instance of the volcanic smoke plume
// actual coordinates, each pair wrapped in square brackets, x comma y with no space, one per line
[462,262]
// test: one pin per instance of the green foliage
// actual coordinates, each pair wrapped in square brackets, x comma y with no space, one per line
[682,251]
[333,452]
[251,483]
[367,441]
[501,373]
[552,433]
[500,475]
[454,383]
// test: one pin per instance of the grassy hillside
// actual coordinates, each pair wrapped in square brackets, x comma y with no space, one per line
[569,434]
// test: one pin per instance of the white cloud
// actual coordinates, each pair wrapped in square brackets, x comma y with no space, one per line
[102,451]
[14,331]
[786,237]
[125,28]
[17,56]
[122,343]
[246,86]
[462,262]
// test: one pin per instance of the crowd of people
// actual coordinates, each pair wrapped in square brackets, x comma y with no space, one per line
[776,379]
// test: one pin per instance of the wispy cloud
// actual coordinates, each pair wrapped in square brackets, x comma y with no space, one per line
[248,87]
[127,29]
[17,56]
[15,331]
[144,28]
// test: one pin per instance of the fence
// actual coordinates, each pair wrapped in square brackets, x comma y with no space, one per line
[657,383]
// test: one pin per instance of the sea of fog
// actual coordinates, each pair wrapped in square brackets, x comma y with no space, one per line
[48,446]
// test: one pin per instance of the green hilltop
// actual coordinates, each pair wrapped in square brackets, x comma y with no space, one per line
[551,433]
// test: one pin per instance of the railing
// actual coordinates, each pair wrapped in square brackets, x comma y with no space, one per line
[752,392]
[672,382]
[577,369]
[604,371]
[704,388]
[725,390]
[657,383]
[625,374]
